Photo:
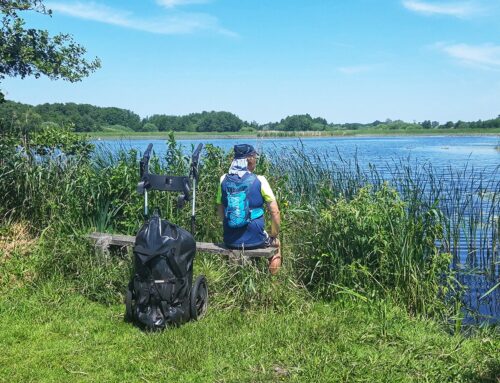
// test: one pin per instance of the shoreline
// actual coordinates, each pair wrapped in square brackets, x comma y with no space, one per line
[279,135]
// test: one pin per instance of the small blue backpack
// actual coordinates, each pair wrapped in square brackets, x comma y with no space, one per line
[238,213]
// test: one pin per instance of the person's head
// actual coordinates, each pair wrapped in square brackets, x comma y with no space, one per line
[248,152]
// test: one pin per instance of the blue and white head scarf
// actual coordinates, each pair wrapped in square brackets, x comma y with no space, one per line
[239,166]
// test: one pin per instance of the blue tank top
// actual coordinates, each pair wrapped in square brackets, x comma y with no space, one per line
[253,234]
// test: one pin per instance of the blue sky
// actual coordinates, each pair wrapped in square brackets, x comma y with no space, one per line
[344,60]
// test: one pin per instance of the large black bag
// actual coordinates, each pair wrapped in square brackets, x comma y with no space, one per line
[163,273]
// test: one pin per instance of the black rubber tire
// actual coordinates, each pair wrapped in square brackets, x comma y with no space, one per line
[199,298]
[129,305]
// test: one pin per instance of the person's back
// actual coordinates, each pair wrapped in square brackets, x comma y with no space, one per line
[241,198]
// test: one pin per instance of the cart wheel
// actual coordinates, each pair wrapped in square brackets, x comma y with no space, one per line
[129,302]
[199,298]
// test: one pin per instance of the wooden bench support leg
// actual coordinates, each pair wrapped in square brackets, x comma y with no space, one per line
[102,246]
[239,258]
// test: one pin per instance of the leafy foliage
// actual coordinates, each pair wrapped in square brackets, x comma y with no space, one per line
[372,244]
[33,52]
[52,140]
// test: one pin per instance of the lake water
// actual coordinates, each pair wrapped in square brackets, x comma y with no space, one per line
[477,151]
[473,160]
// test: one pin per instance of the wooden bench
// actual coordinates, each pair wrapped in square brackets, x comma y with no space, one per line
[103,241]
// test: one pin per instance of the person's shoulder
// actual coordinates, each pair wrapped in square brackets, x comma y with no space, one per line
[222,177]
[262,179]
[266,190]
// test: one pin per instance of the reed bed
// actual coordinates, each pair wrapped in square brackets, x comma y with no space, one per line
[469,199]
[464,203]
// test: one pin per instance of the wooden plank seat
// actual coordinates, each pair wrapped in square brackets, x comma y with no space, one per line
[103,241]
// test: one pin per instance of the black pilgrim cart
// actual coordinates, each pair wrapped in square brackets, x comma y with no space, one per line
[161,292]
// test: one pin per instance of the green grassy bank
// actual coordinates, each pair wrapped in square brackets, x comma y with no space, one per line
[165,135]
[259,328]
[54,335]
[51,337]
[277,134]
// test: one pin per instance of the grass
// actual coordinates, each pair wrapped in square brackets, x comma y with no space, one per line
[115,134]
[56,335]
[259,328]
[164,135]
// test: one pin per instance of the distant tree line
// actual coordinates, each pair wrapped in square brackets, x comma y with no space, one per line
[89,118]
[80,117]
[196,122]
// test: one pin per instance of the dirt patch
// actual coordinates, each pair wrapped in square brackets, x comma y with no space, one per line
[15,239]
[16,244]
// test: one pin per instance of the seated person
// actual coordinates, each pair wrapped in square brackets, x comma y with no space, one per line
[241,198]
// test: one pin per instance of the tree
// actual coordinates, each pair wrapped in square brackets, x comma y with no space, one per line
[33,52]
[427,124]
[448,125]
[149,127]
[296,122]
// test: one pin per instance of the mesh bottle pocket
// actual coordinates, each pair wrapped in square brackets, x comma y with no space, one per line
[237,212]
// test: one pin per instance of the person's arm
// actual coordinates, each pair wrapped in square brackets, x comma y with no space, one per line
[272,206]
[274,211]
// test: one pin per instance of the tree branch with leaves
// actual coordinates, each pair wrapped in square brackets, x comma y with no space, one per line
[33,52]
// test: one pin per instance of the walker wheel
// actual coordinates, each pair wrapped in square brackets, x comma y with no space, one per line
[199,298]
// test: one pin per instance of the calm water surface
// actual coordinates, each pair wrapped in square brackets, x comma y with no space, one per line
[477,151]
[464,155]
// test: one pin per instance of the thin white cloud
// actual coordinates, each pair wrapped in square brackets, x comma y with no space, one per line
[461,9]
[170,24]
[175,3]
[355,69]
[485,56]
